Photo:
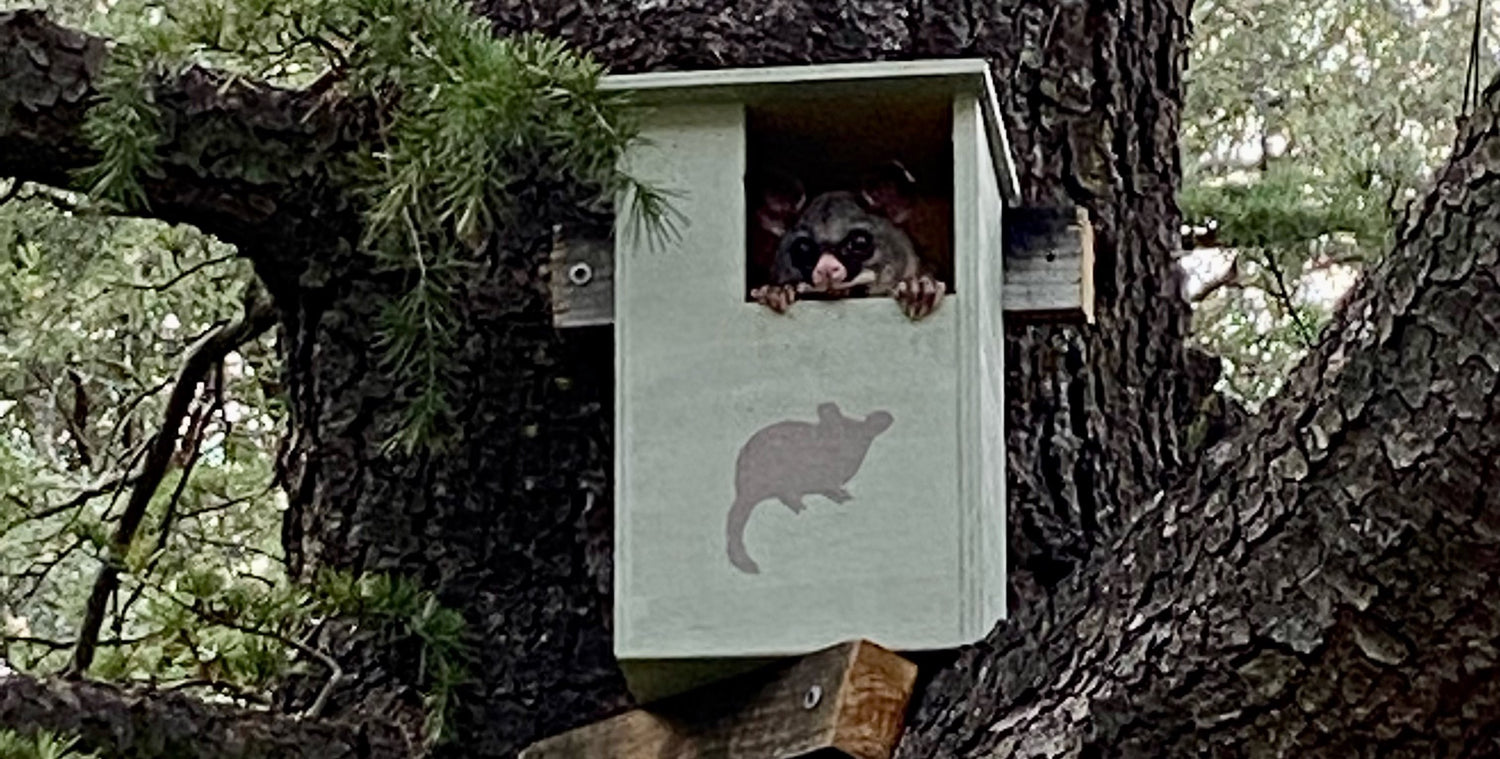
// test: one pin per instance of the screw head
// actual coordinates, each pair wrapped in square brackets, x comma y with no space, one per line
[580,274]
[812,697]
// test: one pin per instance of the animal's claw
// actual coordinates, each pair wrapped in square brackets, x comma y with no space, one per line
[919,297]
[778,298]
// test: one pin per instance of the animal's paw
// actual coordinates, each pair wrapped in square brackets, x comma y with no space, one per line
[838,496]
[920,296]
[778,298]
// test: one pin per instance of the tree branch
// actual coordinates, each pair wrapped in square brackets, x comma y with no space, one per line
[37,571]
[335,672]
[78,499]
[58,645]
[1284,296]
[273,217]
[255,318]
[1317,587]
[144,722]
[184,274]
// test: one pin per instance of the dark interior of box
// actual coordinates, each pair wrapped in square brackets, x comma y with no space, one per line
[838,143]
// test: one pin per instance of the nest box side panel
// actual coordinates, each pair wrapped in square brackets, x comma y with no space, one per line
[783,482]
[975,190]
[987,383]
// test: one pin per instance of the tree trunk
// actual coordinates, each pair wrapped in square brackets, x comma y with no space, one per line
[516,527]
[1324,585]
[122,723]
[1273,593]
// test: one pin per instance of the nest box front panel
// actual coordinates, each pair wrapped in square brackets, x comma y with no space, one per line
[783,481]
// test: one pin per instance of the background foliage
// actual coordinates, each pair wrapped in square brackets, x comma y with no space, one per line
[1309,127]
[101,310]
[96,311]
[39,745]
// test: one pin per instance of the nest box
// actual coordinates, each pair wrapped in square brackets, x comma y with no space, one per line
[787,481]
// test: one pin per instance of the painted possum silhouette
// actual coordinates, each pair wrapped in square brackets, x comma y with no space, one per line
[789,460]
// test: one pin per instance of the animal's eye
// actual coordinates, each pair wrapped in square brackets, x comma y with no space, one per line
[804,252]
[859,243]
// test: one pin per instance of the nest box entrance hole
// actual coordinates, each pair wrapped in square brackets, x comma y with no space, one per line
[848,142]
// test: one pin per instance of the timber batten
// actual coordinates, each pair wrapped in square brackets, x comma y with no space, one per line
[848,699]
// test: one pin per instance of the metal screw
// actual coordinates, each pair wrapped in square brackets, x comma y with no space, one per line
[580,274]
[811,698]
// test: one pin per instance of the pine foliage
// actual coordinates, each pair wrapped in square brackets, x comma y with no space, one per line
[469,122]
[39,745]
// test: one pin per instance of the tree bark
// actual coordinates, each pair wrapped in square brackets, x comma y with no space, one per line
[1324,584]
[155,724]
[1303,584]
[248,164]
[515,527]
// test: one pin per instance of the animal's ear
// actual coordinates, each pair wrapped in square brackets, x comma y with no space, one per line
[782,198]
[829,412]
[889,190]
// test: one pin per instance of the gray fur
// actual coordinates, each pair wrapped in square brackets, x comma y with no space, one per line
[828,220]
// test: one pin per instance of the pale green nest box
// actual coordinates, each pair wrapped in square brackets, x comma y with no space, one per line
[785,482]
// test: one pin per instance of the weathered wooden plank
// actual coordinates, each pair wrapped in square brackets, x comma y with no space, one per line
[849,699]
[1049,264]
[1048,270]
[581,275]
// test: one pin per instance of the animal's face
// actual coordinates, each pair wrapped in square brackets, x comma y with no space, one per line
[842,239]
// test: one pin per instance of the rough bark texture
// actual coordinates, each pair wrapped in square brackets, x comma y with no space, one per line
[1321,579]
[147,724]
[252,165]
[1326,583]
[515,527]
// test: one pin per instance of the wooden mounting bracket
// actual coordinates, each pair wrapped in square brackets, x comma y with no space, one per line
[847,700]
[1048,270]
[1049,264]
[581,275]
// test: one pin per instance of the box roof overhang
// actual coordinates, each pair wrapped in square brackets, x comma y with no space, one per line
[750,85]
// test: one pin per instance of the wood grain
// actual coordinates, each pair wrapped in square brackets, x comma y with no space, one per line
[1049,264]
[846,700]
[580,273]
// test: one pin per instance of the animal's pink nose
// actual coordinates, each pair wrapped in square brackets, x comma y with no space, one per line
[829,272]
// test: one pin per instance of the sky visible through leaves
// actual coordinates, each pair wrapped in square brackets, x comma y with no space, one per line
[1309,128]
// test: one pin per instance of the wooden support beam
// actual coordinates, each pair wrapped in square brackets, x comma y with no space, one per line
[1049,264]
[848,700]
[1048,270]
[581,273]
